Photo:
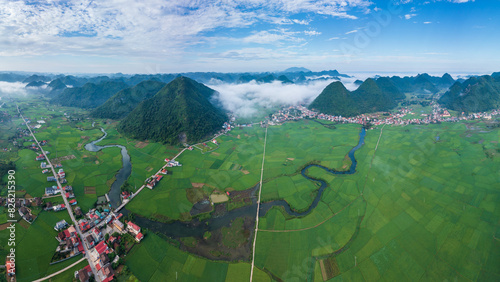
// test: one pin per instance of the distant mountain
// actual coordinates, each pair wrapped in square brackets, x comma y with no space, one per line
[358,82]
[55,88]
[73,81]
[495,74]
[89,95]
[475,94]
[12,77]
[300,79]
[36,77]
[245,78]
[423,84]
[296,69]
[266,78]
[57,84]
[335,99]
[35,84]
[284,79]
[179,112]
[123,102]
[446,80]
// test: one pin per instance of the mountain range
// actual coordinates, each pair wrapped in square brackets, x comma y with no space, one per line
[475,94]
[89,95]
[371,96]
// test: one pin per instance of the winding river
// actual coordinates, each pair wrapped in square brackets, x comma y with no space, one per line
[195,227]
[123,173]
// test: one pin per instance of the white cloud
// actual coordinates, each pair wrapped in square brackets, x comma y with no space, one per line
[272,37]
[246,99]
[312,32]
[333,38]
[409,16]
[352,31]
[136,28]
[12,89]
[302,22]
[427,22]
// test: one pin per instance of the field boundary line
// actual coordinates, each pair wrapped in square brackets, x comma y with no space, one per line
[258,206]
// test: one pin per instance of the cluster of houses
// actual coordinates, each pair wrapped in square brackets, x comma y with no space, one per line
[26,214]
[125,195]
[34,147]
[92,218]
[94,237]
[135,231]
[226,126]
[60,225]
[23,206]
[153,180]
[438,115]
[172,163]
[100,259]
[99,249]
[69,242]
[52,190]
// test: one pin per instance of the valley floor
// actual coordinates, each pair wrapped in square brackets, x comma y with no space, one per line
[422,204]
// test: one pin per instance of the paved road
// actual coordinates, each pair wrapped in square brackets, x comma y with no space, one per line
[258,206]
[66,202]
[60,271]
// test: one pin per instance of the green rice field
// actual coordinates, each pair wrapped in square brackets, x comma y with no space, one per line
[422,205]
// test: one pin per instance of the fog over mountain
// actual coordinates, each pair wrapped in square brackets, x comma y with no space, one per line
[245,99]
[12,88]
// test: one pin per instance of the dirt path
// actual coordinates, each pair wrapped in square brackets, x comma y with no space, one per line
[60,271]
[258,206]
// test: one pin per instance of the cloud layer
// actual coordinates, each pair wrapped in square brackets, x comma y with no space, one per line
[134,27]
[245,100]
[10,89]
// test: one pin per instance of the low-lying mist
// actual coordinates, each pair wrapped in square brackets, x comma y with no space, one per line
[245,99]
[11,89]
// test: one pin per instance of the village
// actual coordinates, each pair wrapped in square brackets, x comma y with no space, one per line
[293,113]
[107,235]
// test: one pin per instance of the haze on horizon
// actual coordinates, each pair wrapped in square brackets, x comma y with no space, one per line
[159,36]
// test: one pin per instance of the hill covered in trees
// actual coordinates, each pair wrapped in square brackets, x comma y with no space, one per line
[335,99]
[89,95]
[123,102]
[476,94]
[179,112]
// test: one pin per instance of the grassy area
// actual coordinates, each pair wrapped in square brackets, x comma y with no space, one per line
[69,275]
[427,211]
[234,165]
[156,260]
[291,146]
[35,246]
[419,208]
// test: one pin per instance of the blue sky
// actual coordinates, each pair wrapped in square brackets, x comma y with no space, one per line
[129,36]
